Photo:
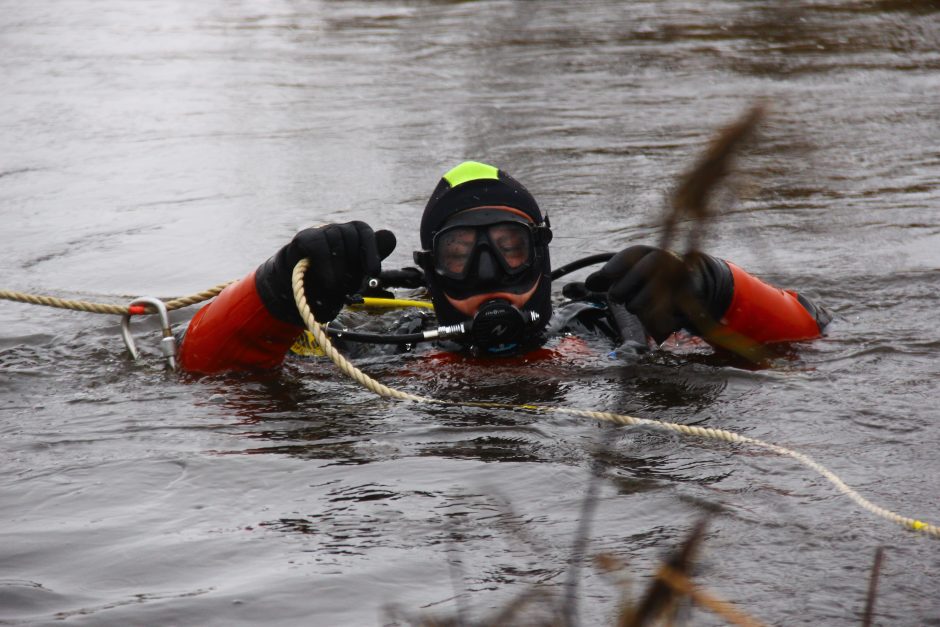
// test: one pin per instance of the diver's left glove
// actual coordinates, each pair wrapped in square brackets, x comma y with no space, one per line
[665,291]
[341,257]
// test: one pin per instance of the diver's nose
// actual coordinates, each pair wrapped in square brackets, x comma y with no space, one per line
[487,267]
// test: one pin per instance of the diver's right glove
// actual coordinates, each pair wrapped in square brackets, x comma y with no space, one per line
[341,257]
[665,291]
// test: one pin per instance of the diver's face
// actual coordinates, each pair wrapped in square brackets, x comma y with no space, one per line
[486,255]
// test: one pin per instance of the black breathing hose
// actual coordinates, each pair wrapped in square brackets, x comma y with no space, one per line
[414,278]
[584,262]
[377,338]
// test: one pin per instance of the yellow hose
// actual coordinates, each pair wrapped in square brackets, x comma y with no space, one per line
[392,303]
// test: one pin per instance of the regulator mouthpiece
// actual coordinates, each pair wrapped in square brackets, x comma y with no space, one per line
[499,327]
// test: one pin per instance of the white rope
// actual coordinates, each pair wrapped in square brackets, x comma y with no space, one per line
[107,308]
[621,419]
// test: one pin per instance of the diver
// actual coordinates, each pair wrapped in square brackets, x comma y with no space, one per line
[485,264]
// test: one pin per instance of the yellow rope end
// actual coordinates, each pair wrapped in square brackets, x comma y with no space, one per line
[918,525]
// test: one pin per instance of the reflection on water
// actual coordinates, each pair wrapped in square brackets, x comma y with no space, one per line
[164,147]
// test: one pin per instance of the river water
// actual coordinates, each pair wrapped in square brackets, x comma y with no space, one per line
[164,147]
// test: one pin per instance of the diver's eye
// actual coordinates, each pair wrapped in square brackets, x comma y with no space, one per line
[454,249]
[512,242]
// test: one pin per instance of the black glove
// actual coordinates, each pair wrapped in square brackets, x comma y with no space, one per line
[341,257]
[665,291]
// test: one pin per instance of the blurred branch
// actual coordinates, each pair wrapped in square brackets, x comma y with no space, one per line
[672,583]
[661,599]
[692,200]
[873,587]
[683,585]
[583,534]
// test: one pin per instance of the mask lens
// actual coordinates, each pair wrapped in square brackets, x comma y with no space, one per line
[511,241]
[454,248]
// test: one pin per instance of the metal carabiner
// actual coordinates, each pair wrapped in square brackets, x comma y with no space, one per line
[167,344]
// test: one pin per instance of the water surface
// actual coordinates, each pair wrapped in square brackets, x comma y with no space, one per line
[163,147]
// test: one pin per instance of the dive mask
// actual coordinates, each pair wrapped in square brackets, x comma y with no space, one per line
[485,246]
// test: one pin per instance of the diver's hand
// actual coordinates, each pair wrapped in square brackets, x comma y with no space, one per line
[341,257]
[665,291]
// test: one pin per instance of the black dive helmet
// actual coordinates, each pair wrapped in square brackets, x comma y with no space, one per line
[498,326]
